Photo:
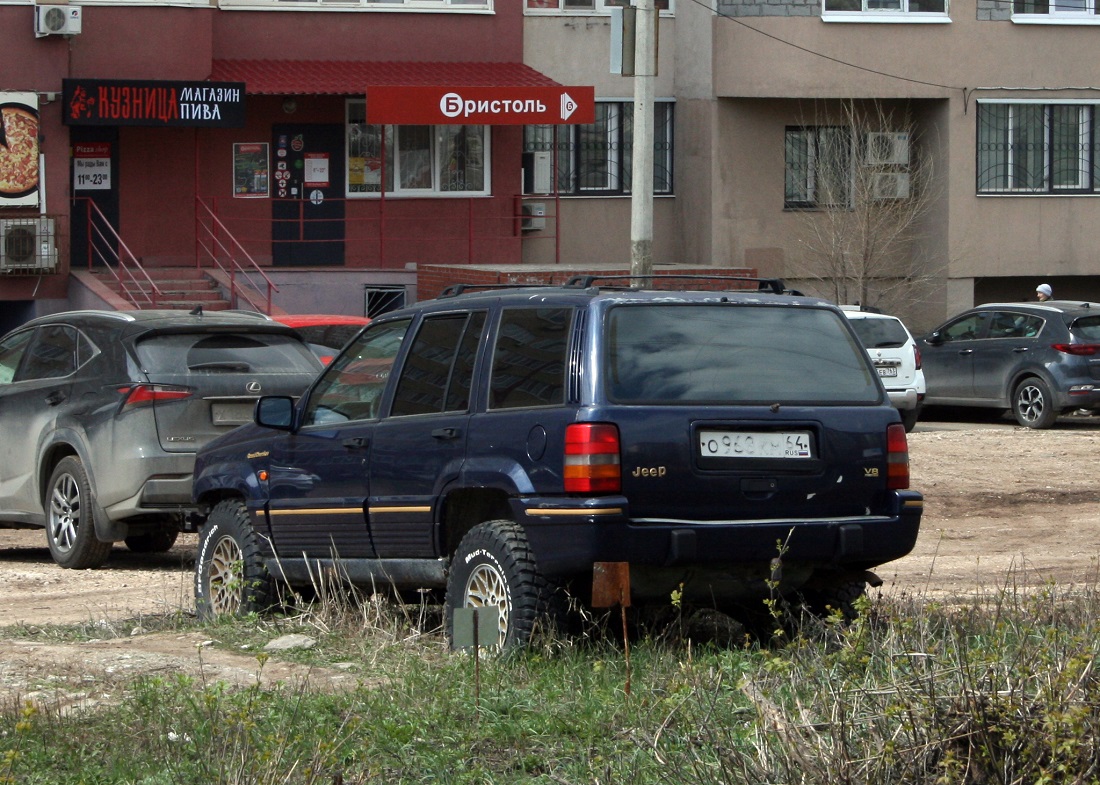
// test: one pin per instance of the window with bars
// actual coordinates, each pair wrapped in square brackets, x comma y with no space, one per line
[418,160]
[595,159]
[1034,148]
[818,163]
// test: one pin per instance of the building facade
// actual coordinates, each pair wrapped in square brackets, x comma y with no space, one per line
[932,154]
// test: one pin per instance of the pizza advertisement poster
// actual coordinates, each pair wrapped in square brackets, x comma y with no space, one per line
[18,149]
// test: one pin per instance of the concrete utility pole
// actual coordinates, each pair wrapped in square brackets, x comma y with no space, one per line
[641,188]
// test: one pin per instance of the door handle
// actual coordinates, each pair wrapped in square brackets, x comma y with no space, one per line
[445,433]
[356,442]
[964,352]
[1019,349]
[54,397]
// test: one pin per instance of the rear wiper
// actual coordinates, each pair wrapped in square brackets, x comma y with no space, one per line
[887,345]
[225,365]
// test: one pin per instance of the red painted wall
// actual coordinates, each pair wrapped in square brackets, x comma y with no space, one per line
[160,171]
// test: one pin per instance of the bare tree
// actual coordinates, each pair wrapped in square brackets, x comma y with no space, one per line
[867,187]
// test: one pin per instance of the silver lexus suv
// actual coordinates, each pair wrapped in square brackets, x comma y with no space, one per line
[102,412]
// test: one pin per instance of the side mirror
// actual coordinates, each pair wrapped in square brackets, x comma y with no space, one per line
[934,339]
[275,411]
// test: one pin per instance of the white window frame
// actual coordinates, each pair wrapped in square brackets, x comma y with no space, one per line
[394,160]
[1054,16]
[900,14]
[579,7]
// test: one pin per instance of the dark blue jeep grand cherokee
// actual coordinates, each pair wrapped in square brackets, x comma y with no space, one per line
[500,442]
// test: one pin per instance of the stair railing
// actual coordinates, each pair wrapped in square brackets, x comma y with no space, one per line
[106,246]
[214,240]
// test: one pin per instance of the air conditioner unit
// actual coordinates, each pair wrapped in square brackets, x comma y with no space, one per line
[27,245]
[890,185]
[887,148]
[56,20]
[534,217]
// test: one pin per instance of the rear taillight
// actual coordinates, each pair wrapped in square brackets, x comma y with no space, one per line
[145,394]
[897,457]
[592,458]
[916,356]
[1077,349]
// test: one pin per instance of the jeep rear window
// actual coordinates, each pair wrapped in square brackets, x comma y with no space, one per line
[224,353]
[733,354]
[880,333]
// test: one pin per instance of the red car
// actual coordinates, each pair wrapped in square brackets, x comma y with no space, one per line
[325,333]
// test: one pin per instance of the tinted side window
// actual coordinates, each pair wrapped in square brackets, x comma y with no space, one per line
[1087,327]
[437,373]
[965,329]
[1005,324]
[351,388]
[52,354]
[11,352]
[529,358]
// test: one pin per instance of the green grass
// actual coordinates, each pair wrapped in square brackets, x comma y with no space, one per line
[998,689]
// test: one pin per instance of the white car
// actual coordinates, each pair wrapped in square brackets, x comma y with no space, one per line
[895,356]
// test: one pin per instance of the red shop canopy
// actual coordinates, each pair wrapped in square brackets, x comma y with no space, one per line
[422,93]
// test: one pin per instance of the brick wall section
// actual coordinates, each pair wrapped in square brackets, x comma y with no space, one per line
[433,279]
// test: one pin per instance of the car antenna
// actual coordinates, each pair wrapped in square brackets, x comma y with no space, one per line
[197,310]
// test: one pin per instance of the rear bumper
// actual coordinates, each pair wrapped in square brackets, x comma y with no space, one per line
[566,541]
[907,398]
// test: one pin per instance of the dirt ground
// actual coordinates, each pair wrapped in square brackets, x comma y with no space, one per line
[1002,503]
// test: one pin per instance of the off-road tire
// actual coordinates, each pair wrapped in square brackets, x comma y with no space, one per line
[159,541]
[909,418]
[1032,404]
[494,567]
[230,576]
[70,527]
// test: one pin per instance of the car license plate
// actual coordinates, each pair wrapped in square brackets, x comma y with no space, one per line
[887,370]
[232,413]
[755,444]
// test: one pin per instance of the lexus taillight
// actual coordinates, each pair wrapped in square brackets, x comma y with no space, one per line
[1077,349]
[592,458]
[897,457]
[145,394]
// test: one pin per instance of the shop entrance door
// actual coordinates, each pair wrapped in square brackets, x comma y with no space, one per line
[307,211]
[93,175]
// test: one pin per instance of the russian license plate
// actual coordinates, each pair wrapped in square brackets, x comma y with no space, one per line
[887,370]
[755,444]
[235,413]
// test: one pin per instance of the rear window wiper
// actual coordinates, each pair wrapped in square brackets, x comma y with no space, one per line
[224,365]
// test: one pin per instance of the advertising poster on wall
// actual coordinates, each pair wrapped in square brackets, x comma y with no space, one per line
[251,170]
[19,160]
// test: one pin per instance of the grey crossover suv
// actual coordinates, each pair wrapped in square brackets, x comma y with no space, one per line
[1037,359]
[101,414]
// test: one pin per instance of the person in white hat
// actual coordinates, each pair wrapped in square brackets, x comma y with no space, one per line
[1044,291]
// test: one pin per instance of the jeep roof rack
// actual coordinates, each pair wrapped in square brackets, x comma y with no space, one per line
[771,285]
